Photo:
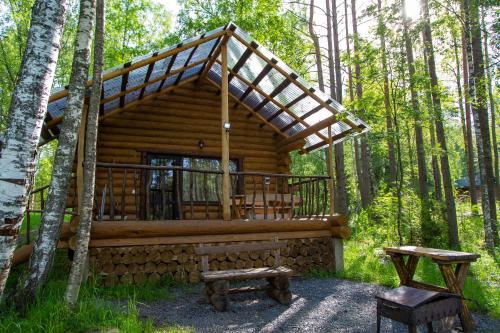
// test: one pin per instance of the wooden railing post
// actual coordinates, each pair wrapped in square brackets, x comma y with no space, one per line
[226,181]
[329,165]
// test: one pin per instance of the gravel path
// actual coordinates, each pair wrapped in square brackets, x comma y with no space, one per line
[319,305]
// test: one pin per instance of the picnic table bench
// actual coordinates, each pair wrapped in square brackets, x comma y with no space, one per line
[217,282]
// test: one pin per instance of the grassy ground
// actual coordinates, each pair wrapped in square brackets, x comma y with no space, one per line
[97,308]
[366,261]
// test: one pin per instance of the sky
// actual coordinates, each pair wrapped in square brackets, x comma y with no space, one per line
[171,5]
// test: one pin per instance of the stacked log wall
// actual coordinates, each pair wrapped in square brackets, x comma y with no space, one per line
[142,264]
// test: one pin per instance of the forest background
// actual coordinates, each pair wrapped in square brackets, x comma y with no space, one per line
[386,205]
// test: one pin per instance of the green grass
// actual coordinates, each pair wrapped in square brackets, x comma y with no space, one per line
[98,308]
[366,261]
[35,219]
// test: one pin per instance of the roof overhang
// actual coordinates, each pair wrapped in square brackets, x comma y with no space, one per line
[258,80]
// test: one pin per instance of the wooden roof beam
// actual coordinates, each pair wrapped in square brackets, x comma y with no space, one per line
[167,71]
[334,138]
[290,104]
[148,76]
[144,62]
[273,94]
[252,85]
[152,96]
[296,82]
[191,54]
[228,32]
[251,111]
[255,82]
[124,85]
[310,130]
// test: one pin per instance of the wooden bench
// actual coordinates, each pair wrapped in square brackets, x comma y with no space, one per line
[217,282]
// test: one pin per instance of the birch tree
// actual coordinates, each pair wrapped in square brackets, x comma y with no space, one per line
[43,251]
[26,114]
[341,189]
[440,133]
[417,126]
[482,131]
[80,258]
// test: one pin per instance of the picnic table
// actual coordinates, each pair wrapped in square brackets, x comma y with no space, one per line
[454,277]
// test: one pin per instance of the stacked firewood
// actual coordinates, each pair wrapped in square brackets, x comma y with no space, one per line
[141,264]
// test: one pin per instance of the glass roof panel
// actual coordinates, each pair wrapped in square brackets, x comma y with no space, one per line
[271,81]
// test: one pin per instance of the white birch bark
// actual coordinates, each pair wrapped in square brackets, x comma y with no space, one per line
[45,245]
[83,232]
[27,112]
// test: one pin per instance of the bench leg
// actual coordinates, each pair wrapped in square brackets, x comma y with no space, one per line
[378,322]
[412,328]
[217,294]
[278,289]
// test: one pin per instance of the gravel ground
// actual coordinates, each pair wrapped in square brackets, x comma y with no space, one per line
[318,305]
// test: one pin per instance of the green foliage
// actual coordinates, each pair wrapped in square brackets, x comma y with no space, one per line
[98,308]
[268,21]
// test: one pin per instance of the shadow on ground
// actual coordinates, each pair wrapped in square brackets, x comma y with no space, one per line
[319,305]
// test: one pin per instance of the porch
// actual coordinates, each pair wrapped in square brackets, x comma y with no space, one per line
[174,192]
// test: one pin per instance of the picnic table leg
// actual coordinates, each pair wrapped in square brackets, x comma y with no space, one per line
[405,271]
[455,282]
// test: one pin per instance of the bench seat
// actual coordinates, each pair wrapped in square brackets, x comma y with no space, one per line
[246,274]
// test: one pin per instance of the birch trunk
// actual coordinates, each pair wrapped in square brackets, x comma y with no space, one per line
[26,114]
[341,190]
[468,126]
[480,114]
[425,217]
[392,169]
[83,233]
[365,182]
[43,251]
[492,106]
[440,132]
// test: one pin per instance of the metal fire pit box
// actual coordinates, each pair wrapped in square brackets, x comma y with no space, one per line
[414,307]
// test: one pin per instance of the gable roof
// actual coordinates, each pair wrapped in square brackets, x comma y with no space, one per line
[258,81]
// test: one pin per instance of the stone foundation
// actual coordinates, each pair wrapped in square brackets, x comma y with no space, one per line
[141,264]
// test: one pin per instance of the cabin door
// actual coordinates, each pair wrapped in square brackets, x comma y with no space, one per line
[161,191]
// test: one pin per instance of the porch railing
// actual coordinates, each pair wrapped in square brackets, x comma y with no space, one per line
[133,191]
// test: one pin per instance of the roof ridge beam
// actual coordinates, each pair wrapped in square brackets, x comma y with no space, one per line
[228,33]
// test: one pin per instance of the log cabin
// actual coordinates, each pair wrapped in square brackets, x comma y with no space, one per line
[193,148]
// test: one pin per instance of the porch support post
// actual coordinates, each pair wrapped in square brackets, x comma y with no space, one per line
[331,173]
[226,179]
[338,254]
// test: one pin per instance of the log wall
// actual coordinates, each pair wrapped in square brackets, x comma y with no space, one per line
[174,123]
[141,264]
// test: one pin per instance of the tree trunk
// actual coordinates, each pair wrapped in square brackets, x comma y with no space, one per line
[80,257]
[468,126]
[365,182]
[317,49]
[425,217]
[480,114]
[440,132]
[492,107]
[43,251]
[341,190]
[26,115]
[392,169]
